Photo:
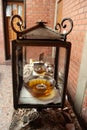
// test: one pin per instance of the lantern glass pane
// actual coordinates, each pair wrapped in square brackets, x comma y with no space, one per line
[61,68]
[36,75]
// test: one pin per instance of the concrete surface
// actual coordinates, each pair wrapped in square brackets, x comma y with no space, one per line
[6,106]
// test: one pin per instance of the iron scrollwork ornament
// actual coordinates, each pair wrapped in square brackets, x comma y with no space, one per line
[17,24]
[65,27]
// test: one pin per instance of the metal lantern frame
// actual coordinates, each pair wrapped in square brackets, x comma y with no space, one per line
[57,41]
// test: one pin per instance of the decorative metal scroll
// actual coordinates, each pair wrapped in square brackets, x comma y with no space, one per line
[17,24]
[65,27]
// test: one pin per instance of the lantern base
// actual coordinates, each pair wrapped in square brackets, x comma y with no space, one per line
[27,98]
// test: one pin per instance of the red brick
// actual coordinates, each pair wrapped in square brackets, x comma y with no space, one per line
[85,9]
[77,12]
[41,9]
[81,10]
[83,4]
[82,0]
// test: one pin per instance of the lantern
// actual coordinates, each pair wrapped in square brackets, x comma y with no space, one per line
[40,64]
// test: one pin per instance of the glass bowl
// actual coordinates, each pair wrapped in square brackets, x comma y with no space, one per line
[40,86]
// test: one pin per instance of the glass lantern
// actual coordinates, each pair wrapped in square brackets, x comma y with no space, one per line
[40,65]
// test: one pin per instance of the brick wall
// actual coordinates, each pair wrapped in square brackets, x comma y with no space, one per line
[37,10]
[77,11]
[2,58]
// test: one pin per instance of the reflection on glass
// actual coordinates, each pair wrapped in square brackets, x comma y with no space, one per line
[61,68]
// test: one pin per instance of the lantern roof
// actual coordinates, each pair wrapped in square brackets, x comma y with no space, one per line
[41,30]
